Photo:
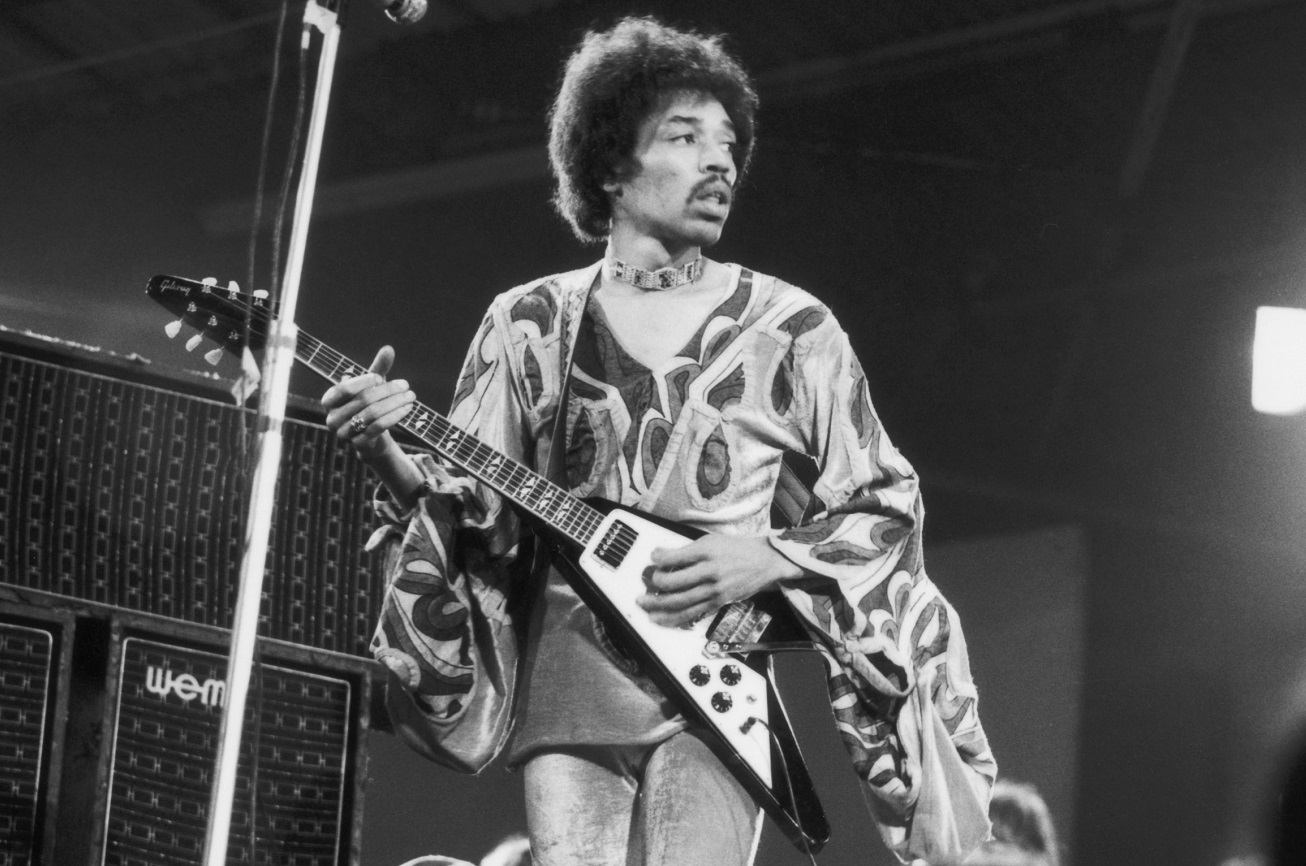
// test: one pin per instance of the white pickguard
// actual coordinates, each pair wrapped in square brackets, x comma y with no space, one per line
[683,650]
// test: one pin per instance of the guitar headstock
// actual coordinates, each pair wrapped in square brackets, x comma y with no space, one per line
[233,319]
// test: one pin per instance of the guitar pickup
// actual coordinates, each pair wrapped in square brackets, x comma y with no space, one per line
[615,544]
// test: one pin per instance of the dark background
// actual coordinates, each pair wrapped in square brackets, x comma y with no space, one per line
[1047,227]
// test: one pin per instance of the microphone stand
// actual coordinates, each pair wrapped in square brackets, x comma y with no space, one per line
[279,358]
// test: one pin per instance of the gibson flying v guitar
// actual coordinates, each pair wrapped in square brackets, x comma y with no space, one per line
[718,673]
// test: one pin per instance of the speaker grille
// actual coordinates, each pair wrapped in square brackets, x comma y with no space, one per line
[165,744]
[26,662]
[131,495]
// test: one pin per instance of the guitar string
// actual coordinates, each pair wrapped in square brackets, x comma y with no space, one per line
[499,470]
[544,498]
[551,502]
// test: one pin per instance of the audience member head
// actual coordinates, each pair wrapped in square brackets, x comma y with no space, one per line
[1023,832]
[514,850]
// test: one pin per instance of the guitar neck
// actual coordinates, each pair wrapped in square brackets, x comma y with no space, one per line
[525,488]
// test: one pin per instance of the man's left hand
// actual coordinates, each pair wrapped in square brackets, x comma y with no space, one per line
[690,582]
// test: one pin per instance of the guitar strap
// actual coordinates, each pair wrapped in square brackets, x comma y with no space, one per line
[794,501]
[556,470]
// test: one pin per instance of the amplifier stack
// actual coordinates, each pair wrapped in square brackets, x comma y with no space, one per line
[122,492]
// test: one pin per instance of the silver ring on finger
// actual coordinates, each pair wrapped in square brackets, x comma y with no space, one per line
[358,425]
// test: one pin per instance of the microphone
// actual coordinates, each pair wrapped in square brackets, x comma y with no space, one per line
[404,11]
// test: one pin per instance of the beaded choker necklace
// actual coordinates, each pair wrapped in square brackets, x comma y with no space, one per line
[663,278]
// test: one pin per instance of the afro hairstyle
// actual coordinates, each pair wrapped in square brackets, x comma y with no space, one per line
[610,84]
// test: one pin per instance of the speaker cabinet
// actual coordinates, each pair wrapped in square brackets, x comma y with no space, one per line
[125,485]
[35,650]
[145,733]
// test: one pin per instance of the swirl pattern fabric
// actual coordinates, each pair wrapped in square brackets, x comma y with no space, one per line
[701,441]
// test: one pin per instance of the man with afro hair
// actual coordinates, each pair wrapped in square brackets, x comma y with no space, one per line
[682,383]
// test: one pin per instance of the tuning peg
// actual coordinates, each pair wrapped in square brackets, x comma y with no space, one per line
[210,281]
[233,289]
[172,329]
[193,342]
[213,356]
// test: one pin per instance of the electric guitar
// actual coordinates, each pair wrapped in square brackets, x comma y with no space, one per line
[718,673]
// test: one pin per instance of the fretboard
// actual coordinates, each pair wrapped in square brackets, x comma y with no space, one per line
[527,489]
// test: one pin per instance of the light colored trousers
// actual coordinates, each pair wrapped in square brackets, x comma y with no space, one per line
[673,803]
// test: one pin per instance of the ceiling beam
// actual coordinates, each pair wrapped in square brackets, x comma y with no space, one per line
[990,39]
[405,186]
[528,164]
[109,57]
[1165,74]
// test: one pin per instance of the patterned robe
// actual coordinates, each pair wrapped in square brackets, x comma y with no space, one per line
[770,370]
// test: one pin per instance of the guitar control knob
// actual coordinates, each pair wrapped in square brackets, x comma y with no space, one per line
[721,702]
[699,675]
[730,675]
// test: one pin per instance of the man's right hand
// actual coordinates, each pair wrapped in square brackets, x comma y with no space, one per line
[361,410]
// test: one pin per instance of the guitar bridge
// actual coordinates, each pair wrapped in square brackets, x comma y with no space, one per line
[615,544]
[740,623]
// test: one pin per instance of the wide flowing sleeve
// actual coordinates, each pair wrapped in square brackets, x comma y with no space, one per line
[899,676]
[447,632]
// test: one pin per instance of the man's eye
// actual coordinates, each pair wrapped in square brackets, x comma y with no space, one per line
[687,138]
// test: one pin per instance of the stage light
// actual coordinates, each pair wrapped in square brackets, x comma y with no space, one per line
[1279,361]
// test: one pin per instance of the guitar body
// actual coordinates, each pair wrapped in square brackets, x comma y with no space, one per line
[711,672]
[729,696]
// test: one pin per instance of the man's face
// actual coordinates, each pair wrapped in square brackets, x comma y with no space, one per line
[680,177]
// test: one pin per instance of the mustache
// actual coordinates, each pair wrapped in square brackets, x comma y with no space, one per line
[712,186]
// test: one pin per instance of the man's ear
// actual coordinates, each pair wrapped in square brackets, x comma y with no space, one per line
[619,174]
